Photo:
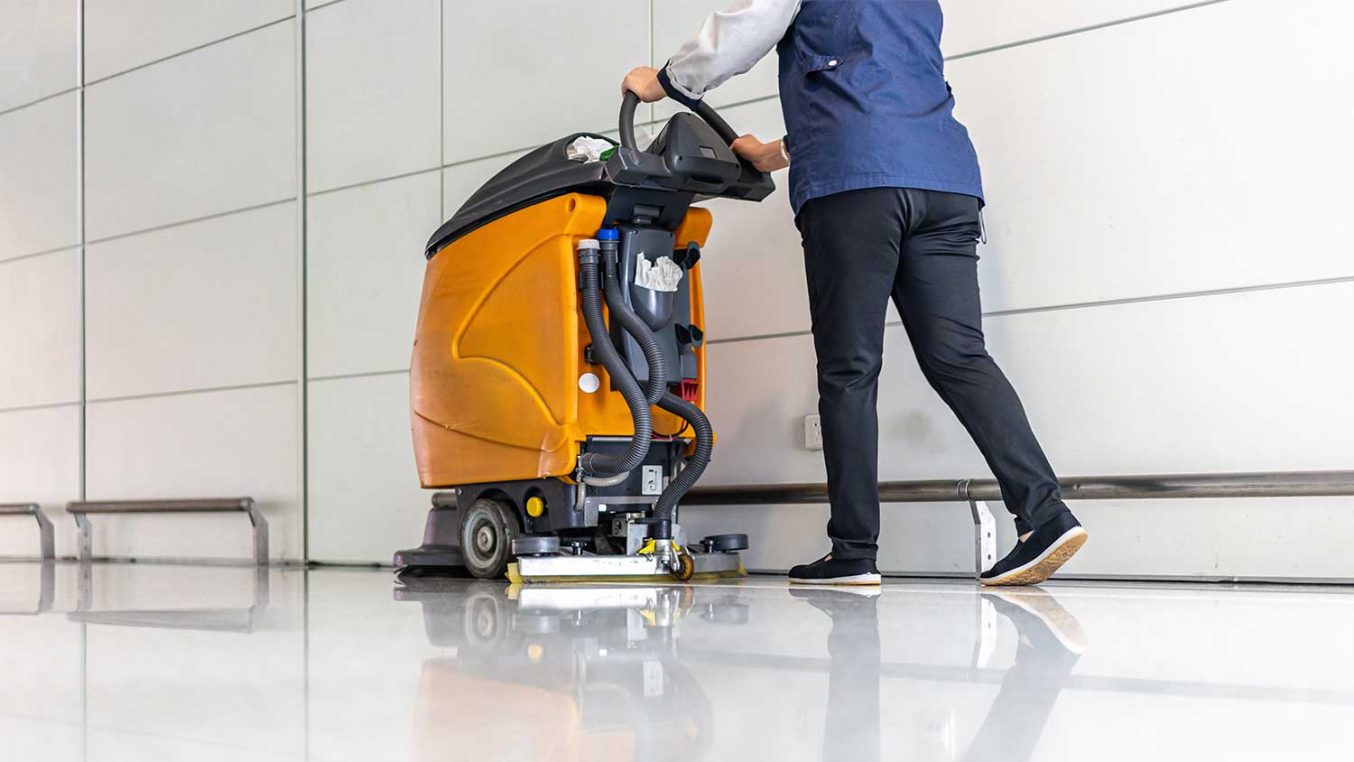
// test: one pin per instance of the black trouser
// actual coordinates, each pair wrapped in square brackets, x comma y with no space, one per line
[919,248]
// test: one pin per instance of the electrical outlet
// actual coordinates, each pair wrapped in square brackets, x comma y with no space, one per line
[813,433]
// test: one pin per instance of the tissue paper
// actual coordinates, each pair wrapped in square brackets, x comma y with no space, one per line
[661,275]
[588,150]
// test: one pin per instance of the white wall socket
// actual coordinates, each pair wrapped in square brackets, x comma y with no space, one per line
[813,433]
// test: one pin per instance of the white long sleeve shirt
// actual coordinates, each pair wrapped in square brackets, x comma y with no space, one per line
[729,43]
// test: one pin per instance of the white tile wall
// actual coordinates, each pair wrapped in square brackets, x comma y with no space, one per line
[208,444]
[37,49]
[1178,176]
[1124,162]
[364,273]
[365,499]
[121,34]
[1136,388]
[38,174]
[970,25]
[40,330]
[40,450]
[973,25]
[373,91]
[520,73]
[205,133]
[196,306]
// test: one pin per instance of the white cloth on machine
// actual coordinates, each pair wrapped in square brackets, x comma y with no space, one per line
[661,275]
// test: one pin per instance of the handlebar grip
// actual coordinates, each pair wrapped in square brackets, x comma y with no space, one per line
[706,111]
[628,105]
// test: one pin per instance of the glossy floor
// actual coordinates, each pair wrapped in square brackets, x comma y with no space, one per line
[157,662]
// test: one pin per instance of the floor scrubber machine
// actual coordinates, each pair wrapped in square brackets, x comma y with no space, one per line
[557,381]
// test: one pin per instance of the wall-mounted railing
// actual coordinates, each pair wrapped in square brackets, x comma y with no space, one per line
[976,492]
[46,540]
[82,510]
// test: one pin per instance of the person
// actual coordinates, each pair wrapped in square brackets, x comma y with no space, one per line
[887,196]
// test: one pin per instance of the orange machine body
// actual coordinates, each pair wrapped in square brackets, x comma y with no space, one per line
[496,391]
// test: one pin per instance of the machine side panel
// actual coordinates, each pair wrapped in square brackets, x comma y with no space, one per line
[494,372]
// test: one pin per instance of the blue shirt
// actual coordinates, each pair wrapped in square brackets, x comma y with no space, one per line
[866,104]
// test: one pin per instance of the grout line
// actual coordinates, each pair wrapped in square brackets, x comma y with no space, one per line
[72,247]
[44,98]
[362,374]
[83,443]
[186,392]
[1086,305]
[1082,29]
[182,223]
[1171,297]
[186,51]
[303,325]
[441,106]
[42,406]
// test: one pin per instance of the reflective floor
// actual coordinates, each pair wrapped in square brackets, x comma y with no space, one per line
[160,662]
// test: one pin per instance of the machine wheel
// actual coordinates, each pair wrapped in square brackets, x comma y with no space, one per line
[686,567]
[726,543]
[487,531]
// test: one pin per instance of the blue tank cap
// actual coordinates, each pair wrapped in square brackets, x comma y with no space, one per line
[608,234]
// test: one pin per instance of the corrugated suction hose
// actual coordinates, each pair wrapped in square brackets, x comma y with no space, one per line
[596,463]
[695,465]
[634,325]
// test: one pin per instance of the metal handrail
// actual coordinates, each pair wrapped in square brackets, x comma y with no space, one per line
[81,510]
[1141,487]
[976,492]
[46,536]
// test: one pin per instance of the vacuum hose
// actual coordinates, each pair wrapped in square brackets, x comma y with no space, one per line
[695,465]
[634,325]
[596,463]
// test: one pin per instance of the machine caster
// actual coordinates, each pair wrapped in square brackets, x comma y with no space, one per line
[488,528]
[686,567]
[725,543]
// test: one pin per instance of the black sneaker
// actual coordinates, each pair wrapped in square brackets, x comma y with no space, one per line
[1035,559]
[831,571]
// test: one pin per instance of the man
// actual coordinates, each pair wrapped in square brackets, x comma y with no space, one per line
[887,195]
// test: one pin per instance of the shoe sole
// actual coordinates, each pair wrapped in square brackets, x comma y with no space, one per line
[1046,564]
[854,579]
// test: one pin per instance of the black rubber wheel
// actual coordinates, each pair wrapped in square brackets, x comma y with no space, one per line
[726,543]
[535,545]
[487,531]
[686,567]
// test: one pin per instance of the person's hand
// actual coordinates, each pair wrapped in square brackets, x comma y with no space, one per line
[643,81]
[766,157]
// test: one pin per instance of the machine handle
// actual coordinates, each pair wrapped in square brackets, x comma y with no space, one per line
[703,110]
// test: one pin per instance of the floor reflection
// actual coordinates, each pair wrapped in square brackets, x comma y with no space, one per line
[1051,640]
[852,725]
[162,661]
[563,673]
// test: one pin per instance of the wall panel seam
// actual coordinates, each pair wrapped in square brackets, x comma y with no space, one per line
[303,398]
[1084,305]
[43,253]
[194,49]
[191,221]
[360,374]
[1083,29]
[37,101]
[186,392]
[40,406]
